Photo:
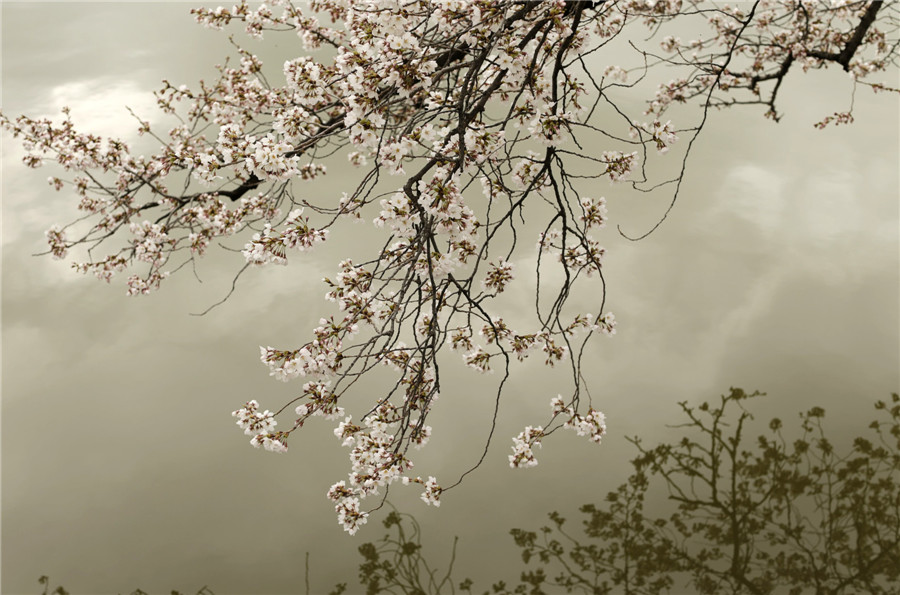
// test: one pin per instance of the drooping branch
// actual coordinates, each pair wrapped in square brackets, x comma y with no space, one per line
[450,98]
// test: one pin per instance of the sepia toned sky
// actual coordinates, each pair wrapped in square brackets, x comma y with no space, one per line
[777,270]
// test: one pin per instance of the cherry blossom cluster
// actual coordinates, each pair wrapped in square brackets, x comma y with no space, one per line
[523,447]
[261,426]
[56,237]
[376,463]
[591,424]
[498,277]
[460,120]
[663,135]
[271,246]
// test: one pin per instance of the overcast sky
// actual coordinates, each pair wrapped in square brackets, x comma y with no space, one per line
[778,270]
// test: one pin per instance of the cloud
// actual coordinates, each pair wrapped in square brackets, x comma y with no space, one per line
[98,107]
[753,194]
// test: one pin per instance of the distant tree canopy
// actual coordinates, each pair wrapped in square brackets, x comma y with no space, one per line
[770,515]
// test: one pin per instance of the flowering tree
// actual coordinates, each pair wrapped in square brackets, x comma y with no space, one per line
[480,111]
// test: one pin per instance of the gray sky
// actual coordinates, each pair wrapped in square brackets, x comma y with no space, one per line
[778,270]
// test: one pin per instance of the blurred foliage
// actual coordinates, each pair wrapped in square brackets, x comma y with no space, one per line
[395,563]
[782,514]
[778,514]
[774,515]
[45,580]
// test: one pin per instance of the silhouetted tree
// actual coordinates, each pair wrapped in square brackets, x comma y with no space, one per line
[757,517]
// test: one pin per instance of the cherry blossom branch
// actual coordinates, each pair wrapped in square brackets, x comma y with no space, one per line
[500,97]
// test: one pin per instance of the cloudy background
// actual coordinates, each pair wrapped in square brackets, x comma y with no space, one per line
[121,466]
